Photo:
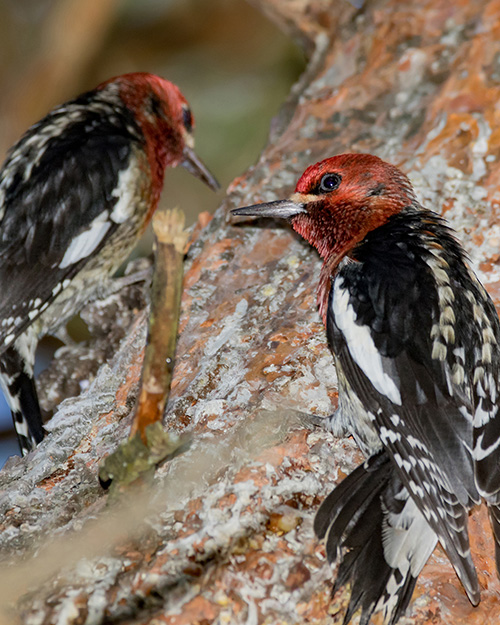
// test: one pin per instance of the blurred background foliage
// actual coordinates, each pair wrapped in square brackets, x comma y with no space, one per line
[233,65]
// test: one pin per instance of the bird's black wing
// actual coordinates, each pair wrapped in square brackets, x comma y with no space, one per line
[58,189]
[401,322]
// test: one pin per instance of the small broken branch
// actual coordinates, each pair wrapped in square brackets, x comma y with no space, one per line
[148,444]
[166,292]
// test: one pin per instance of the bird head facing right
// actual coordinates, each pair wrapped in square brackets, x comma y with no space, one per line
[166,121]
[336,203]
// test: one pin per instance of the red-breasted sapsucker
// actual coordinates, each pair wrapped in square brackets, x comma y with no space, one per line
[76,192]
[415,340]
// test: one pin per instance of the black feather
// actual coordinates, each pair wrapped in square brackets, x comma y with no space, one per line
[70,183]
[352,518]
[395,289]
[21,387]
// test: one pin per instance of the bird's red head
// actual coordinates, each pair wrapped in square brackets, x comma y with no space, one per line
[166,121]
[344,198]
[337,202]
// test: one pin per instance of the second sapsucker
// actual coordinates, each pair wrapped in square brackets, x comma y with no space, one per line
[415,338]
[76,192]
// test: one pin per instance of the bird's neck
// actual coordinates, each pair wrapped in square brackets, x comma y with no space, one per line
[326,277]
[391,244]
[158,157]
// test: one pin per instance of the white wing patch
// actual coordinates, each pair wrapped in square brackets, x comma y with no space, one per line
[87,241]
[361,345]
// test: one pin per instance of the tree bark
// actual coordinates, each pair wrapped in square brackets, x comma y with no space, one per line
[225,536]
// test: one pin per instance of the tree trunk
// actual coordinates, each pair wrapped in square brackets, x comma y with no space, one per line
[226,534]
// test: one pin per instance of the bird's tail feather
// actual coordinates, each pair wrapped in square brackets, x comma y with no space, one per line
[494,511]
[378,537]
[19,389]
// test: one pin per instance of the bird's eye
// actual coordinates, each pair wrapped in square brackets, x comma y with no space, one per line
[330,182]
[187,119]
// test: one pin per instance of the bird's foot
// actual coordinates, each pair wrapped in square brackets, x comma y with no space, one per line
[112,286]
[317,421]
[142,275]
[334,423]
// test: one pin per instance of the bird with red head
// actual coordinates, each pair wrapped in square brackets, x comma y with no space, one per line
[76,192]
[415,338]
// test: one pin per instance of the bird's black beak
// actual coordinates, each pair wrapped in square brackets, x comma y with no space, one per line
[195,166]
[282,209]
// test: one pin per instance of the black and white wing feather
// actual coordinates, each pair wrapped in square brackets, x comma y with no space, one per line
[400,323]
[378,538]
[57,212]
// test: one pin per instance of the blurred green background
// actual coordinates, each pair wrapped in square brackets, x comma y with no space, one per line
[233,65]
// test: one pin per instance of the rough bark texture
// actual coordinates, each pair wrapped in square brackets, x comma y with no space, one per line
[227,535]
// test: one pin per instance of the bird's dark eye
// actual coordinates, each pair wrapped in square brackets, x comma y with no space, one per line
[187,119]
[330,182]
